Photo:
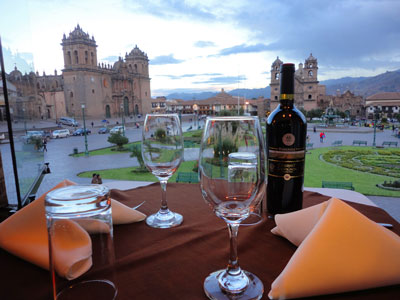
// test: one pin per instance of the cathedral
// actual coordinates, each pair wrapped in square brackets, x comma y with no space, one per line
[309,94]
[102,90]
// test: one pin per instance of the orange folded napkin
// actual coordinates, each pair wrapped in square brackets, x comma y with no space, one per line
[24,234]
[340,250]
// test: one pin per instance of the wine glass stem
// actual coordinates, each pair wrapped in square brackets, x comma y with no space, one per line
[164,205]
[233,265]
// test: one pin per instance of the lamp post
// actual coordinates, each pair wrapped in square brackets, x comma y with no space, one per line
[123,119]
[84,130]
[195,108]
[23,112]
[376,116]
[247,107]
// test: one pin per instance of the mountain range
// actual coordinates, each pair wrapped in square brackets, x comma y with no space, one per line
[363,86]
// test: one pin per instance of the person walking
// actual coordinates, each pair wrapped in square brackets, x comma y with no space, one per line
[44,144]
[92,124]
[321,136]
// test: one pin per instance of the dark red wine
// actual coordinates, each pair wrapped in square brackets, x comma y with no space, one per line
[286,141]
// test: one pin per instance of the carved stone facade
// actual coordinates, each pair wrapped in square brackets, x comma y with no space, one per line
[104,90]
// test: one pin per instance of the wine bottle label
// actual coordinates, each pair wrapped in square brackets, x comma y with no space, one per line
[286,164]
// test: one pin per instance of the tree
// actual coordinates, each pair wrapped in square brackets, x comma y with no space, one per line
[118,139]
[137,152]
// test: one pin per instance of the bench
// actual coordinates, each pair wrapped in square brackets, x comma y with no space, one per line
[337,143]
[188,177]
[359,143]
[310,146]
[389,144]
[338,185]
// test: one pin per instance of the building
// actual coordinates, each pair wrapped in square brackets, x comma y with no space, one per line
[309,94]
[220,102]
[386,104]
[306,85]
[102,90]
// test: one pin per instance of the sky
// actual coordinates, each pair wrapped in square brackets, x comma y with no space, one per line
[206,45]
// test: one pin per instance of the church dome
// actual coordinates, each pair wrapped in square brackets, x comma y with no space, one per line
[16,74]
[136,53]
[78,35]
[118,64]
[311,58]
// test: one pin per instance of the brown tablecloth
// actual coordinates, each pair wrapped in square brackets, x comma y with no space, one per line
[173,263]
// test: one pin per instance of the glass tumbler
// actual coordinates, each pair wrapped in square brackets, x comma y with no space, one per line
[81,249]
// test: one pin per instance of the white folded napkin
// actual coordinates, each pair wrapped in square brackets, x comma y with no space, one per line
[24,234]
[340,250]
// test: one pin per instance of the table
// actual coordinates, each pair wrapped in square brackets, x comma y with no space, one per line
[173,263]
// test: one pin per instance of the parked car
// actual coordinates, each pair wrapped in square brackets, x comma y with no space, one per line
[103,130]
[118,129]
[69,121]
[60,133]
[39,134]
[81,131]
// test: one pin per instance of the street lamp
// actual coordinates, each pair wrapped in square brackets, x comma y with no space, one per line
[23,112]
[84,130]
[247,106]
[195,108]
[376,116]
[123,119]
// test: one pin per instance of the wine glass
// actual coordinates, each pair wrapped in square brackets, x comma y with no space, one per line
[162,152]
[232,181]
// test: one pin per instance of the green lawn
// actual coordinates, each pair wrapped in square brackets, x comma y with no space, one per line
[365,183]
[127,174]
[316,171]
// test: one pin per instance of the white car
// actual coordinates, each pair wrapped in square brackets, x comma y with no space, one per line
[118,129]
[60,133]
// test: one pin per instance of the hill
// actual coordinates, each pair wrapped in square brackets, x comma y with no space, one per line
[364,86]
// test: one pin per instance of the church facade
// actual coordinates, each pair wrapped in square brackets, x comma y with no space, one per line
[102,90]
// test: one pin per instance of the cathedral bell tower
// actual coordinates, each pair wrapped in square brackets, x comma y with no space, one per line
[79,50]
[275,71]
[311,69]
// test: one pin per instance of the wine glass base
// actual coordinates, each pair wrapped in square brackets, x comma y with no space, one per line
[252,219]
[91,289]
[254,290]
[164,219]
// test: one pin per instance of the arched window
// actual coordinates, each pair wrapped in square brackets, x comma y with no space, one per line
[310,74]
[310,65]
[69,61]
[92,58]
[38,85]
[86,57]
[71,94]
[76,60]
[309,97]
[276,76]
[135,67]
[276,97]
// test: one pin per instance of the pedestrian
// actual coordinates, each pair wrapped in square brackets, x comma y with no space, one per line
[315,129]
[94,178]
[44,144]
[99,180]
[92,124]
[321,137]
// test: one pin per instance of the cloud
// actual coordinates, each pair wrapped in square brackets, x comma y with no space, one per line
[110,59]
[176,77]
[243,48]
[222,80]
[165,60]
[204,44]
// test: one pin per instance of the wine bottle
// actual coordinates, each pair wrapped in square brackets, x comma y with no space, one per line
[286,141]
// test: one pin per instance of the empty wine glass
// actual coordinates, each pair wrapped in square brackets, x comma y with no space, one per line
[232,181]
[162,152]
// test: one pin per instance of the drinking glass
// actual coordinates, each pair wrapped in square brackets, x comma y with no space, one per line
[232,181]
[81,250]
[162,152]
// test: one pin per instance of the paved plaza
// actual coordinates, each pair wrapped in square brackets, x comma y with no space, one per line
[64,166]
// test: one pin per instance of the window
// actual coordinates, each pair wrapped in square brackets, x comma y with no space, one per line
[69,61]
[92,58]
[310,87]
[92,91]
[71,94]
[276,76]
[86,57]
[309,97]
[76,57]
[276,97]
[310,74]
